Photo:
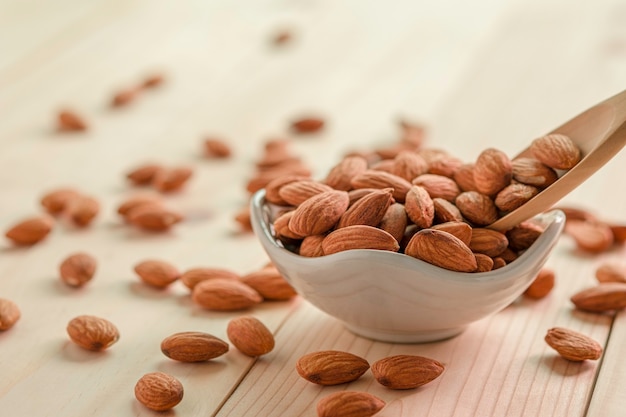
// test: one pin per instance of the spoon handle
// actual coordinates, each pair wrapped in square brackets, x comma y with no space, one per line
[600,132]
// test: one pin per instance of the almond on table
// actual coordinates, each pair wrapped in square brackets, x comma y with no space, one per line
[70,121]
[159,391]
[92,333]
[78,269]
[193,347]
[349,404]
[331,367]
[572,345]
[250,336]
[9,314]
[406,371]
[30,231]
[159,274]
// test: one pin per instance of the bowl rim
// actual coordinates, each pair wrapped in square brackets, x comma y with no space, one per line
[554,220]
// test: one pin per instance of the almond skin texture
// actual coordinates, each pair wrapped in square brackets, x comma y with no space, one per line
[515,195]
[56,201]
[157,273]
[250,336]
[438,186]
[311,246]
[523,235]
[340,176]
[464,177]
[572,345]
[406,371]
[272,188]
[368,210]
[295,193]
[30,231]
[359,237]
[159,391]
[270,284]
[380,179]
[441,249]
[225,295]
[531,171]
[445,211]
[281,226]
[331,367]
[409,165]
[542,285]
[92,333]
[9,314]
[461,230]
[477,208]
[193,276]
[319,213]
[556,151]
[492,171]
[604,297]
[419,206]
[77,269]
[193,347]
[490,242]
[394,221]
[484,262]
[349,404]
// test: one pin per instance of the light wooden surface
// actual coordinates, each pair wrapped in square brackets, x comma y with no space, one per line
[479,74]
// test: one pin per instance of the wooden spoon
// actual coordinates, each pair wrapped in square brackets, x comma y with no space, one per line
[600,133]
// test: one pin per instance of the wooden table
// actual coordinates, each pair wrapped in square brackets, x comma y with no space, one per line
[478,74]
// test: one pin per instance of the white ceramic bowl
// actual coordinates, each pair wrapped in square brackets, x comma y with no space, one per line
[393,297]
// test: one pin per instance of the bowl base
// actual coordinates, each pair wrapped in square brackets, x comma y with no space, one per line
[406,337]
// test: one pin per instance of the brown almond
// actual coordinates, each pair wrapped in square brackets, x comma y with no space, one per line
[340,176]
[250,336]
[464,177]
[216,148]
[379,179]
[461,230]
[419,206]
[30,231]
[9,314]
[311,246]
[124,97]
[193,347]
[159,391]
[406,371]
[412,133]
[92,333]
[172,179]
[153,80]
[78,269]
[368,210]
[603,297]
[70,121]
[56,201]
[331,367]
[619,232]
[484,262]
[611,272]
[143,174]
[244,219]
[531,171]
[153,217]
[492,171]
[159,274]
[541,285]
[296,192]
[409,165]
[572,345]
[445,211]
[349,404]
[577,213]
[556,151]
[224,294]
[477,208]
[83,210]
[438,186]
[594,237]
[281,226]
[445,165]
[359,237]
[193,276]
[394,221]
[522,236]
[270,284]
[319,213]
[441,249]
[498,262]
[307,125]
[514,195]
[135,201]
[490,242]
[273,187]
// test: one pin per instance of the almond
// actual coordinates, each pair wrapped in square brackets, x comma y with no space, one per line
[250,336]
[319,213]
[419,206]
[311,246]
[368,210]
[484,262]
[243,218]
[157,273]
[464,177]
[82,210]
[92,333]
[349,404]
[542,284]
[441,249]
[193,347]
[172,179]
[589,236]
[522,236]
[445,165]
[307,125]
[572,345]
[77,269]
[9,314]
[412,133]
[604,297]
[281,226]
[477,208]
[409,165]
[30,231]
[498,262]
[152,81]
[331,367]
[577,213]
[159,391]
[124,97]
[490,242]
[69,121]
[143,174]
[193,276]
[224,294]
[461,230]
[359,237]
[515,195]
[340,176]
[56,201]
[270,284]
[135,201]
[216,148]
[153,217]
[531,171]
[556,151]
[492,171]
[611,272]
[296,192]
[406,371]
[394,221]
[619,232]
[445,211]
[273,187]
[438,186]
[380,179]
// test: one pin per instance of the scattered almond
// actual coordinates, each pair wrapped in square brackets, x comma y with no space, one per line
[172,179]
[92,333]
[30,231]
[331,367]
[270,284]
[193,347]
[82,210]
[349,404]
[406,371]
[225,294]
[307,125]
[9,314]
[611,272]
[143,174]
[572,345]
[594,237]
[159,391]
[603,297]
[216,148]
[250,336]
[56,201]
[124,97]
[70,121]
[159,274]
[541,285]
[153,217]
[77,269]
[193,276]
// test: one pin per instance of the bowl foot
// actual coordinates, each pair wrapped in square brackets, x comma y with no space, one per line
[405,337]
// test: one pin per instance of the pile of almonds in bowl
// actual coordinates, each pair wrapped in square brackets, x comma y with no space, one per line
[421,202]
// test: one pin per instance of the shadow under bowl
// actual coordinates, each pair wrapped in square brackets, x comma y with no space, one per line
[393,297]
